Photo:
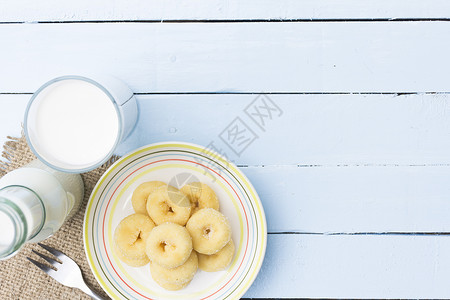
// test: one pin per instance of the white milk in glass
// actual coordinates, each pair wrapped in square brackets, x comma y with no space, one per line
[74,124]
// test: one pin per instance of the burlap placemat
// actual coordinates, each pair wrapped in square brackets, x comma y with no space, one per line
[19,279]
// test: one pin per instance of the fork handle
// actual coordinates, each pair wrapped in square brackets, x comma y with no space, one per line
[90,292]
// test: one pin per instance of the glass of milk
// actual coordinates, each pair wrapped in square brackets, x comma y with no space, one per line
[34,203]
[74,123]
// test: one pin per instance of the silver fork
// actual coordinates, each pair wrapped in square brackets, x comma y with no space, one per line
[67,273]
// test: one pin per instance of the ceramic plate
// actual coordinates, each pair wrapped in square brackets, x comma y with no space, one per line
[176,164]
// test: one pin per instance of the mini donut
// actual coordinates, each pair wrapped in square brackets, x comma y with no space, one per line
[130,235]
[175,278]
[141,193]
[167,204]
[210,231]
[131,262]
[218,261]
[169,245]
[201,196]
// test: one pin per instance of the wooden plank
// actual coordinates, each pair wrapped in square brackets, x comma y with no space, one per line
[356,267]
[326,198]
[313,129]
[85,10]
[354,199]
[325,130]
[233,57]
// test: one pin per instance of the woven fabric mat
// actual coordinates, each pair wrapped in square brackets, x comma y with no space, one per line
[19,279]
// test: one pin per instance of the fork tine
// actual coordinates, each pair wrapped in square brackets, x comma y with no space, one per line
[52,250]
[43,267]
[49,259]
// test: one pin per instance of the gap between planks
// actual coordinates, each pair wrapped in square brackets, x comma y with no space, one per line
[240,21]
[339,165]
[267,93]
[419,233]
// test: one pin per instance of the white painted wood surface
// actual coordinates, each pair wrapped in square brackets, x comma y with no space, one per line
[354,185]
[355,267]
[233,57]
[318,130]
[325,130]
[97,10]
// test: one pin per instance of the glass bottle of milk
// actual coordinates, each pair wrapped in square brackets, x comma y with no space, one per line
[34,203]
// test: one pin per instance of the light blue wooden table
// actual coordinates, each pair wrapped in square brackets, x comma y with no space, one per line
[351,155]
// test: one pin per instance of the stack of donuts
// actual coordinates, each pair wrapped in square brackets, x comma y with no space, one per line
[175,232]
